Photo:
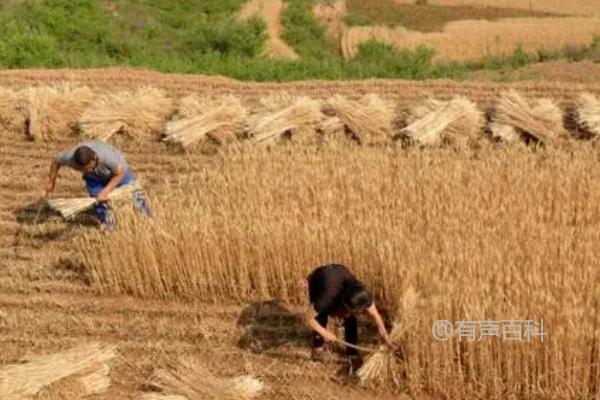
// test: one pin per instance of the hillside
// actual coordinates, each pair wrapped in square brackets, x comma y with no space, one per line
[293,40]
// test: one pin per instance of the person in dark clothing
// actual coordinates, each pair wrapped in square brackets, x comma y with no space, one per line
[334,291]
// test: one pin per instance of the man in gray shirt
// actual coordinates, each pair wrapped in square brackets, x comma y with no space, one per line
[104,168]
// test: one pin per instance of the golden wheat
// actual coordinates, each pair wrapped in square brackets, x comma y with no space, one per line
[473,40]
[11,116]
[53,110]
[588,113]
[502,234]
[541,118]
[91,363]
[298,118]
[369,119]
[457,121]
[133,113]
[201,118]
[573,7]
[196,382]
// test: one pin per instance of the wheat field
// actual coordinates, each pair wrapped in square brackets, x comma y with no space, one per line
[503,234]
[573,7]
[489,232]
[472,40]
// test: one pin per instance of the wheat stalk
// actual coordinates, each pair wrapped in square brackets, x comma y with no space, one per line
[91,361]
[201,120]
[457,121]
[299,118]
[588,113]
[541,118]
[196,382]
[133,113]
[369,119]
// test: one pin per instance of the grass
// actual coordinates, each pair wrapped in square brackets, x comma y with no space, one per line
[497,234]
[423,17]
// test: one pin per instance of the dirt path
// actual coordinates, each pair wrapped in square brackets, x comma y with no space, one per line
[270,11]
[331,15]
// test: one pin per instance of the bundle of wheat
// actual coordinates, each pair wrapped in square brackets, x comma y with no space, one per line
[69,208]
[383,368]
[588,113]
[158,396]
[299,119]
[331,129]
[368,119]
[90,363]
[66,388]
[504,133]
[131,113]
[540,119]
[457,121]
[220,120]
[52,110]
[11,104]
[196,382]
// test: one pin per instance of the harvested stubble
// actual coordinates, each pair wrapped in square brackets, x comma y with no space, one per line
[133,113]
[511,233]
[368,119]
[53,110]
[218,119]
[541,119]
[197,382]
[69,208]
[458,122]
[88,365]
[588,113]
[298,118]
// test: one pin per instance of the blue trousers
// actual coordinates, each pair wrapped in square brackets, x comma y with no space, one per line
[95,185]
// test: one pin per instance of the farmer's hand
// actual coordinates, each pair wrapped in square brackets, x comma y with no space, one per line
[102,196]
[328,336]
[389,343]
[49,187]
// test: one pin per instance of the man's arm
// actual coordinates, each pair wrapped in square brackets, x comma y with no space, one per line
[374,314]
[312,323]
[51,178]
[112,184]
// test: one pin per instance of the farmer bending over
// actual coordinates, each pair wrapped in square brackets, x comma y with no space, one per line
[334,291]
[104,169]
